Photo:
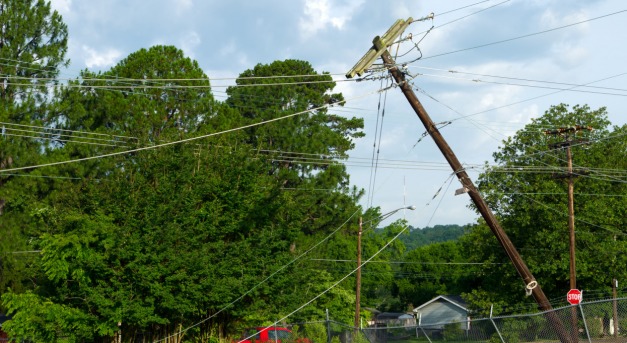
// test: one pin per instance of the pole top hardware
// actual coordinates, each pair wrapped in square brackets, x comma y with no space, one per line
[379,45]
[570,129]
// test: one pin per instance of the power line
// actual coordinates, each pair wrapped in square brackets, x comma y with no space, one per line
[70,131]
[469,15]
[168,143]
[571,89]
[452,71]
[60,140]
[406,262]
[535,97]
[524,36]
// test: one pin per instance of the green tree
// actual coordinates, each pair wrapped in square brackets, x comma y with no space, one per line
[439,233]
[154,95]
[33,44]
[164,238]
[378,278]
[432,270]
[163,246]
[532,206]
[293,87]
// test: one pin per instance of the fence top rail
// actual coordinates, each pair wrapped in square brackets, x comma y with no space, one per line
[583,303]
[512,316]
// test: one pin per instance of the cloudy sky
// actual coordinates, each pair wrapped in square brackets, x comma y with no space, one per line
[499,49]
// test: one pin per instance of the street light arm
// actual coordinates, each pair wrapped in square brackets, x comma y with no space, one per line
[388,214]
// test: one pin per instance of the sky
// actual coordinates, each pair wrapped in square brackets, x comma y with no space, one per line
[478,67]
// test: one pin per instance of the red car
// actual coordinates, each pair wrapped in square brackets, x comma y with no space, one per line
[269,335]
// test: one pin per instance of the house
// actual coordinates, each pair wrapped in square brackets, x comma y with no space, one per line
[441,310]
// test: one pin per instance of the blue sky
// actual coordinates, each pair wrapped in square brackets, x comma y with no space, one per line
[228,37]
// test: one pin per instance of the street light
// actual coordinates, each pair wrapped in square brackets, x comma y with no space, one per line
[389,214]
[358,287]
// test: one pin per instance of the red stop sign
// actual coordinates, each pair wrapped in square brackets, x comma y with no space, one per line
[574,296]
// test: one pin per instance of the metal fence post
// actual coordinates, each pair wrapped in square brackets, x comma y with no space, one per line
[585,324]
[421,329]
[328,327]
[494,324]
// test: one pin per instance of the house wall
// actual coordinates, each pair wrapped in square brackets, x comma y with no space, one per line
[436,314]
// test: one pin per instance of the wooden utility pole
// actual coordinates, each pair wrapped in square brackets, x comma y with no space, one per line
[463,177]
[380,45]
[571,220]
[358,287]
[570,175]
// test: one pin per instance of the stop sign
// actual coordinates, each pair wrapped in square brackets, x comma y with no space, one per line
[573,296]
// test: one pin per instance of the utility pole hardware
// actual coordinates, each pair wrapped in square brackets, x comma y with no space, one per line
[530,282]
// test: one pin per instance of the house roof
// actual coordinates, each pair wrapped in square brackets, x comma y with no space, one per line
[453,299]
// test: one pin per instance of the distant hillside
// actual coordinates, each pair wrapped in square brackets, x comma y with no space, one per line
[439,233]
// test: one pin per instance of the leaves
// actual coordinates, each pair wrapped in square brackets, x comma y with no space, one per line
[40,320]
[532,203]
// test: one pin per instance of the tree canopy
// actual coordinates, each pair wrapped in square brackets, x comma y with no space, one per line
[528,192]
[165,208]
[33,44]
[175,232]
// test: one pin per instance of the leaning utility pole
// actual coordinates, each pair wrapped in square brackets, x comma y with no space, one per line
[379,48]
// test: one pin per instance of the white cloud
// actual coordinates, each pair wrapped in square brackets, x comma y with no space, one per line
[62,6]
[568,51]
[569,55]
[190,42]
[550,20]
[232,51]
[321,14]
[100,59]
[183,5]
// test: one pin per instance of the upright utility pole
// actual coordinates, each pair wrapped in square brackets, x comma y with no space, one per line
[570,175]
[358,287]
[380,45]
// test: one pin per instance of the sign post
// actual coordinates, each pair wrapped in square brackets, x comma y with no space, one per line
[574,297]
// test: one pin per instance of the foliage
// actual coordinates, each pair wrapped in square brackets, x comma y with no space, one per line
[289,87]
[532,206]
[33,44]
[428,235]
[316,332]
[294,91]
[432,270]
[453,332]
[41,321]
[160,239]
[378,278]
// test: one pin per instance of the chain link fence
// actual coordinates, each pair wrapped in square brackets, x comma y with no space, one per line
[595,321]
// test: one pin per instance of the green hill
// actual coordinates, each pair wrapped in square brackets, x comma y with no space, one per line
[440,233]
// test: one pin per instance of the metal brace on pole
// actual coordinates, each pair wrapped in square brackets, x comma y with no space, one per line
[379,45]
